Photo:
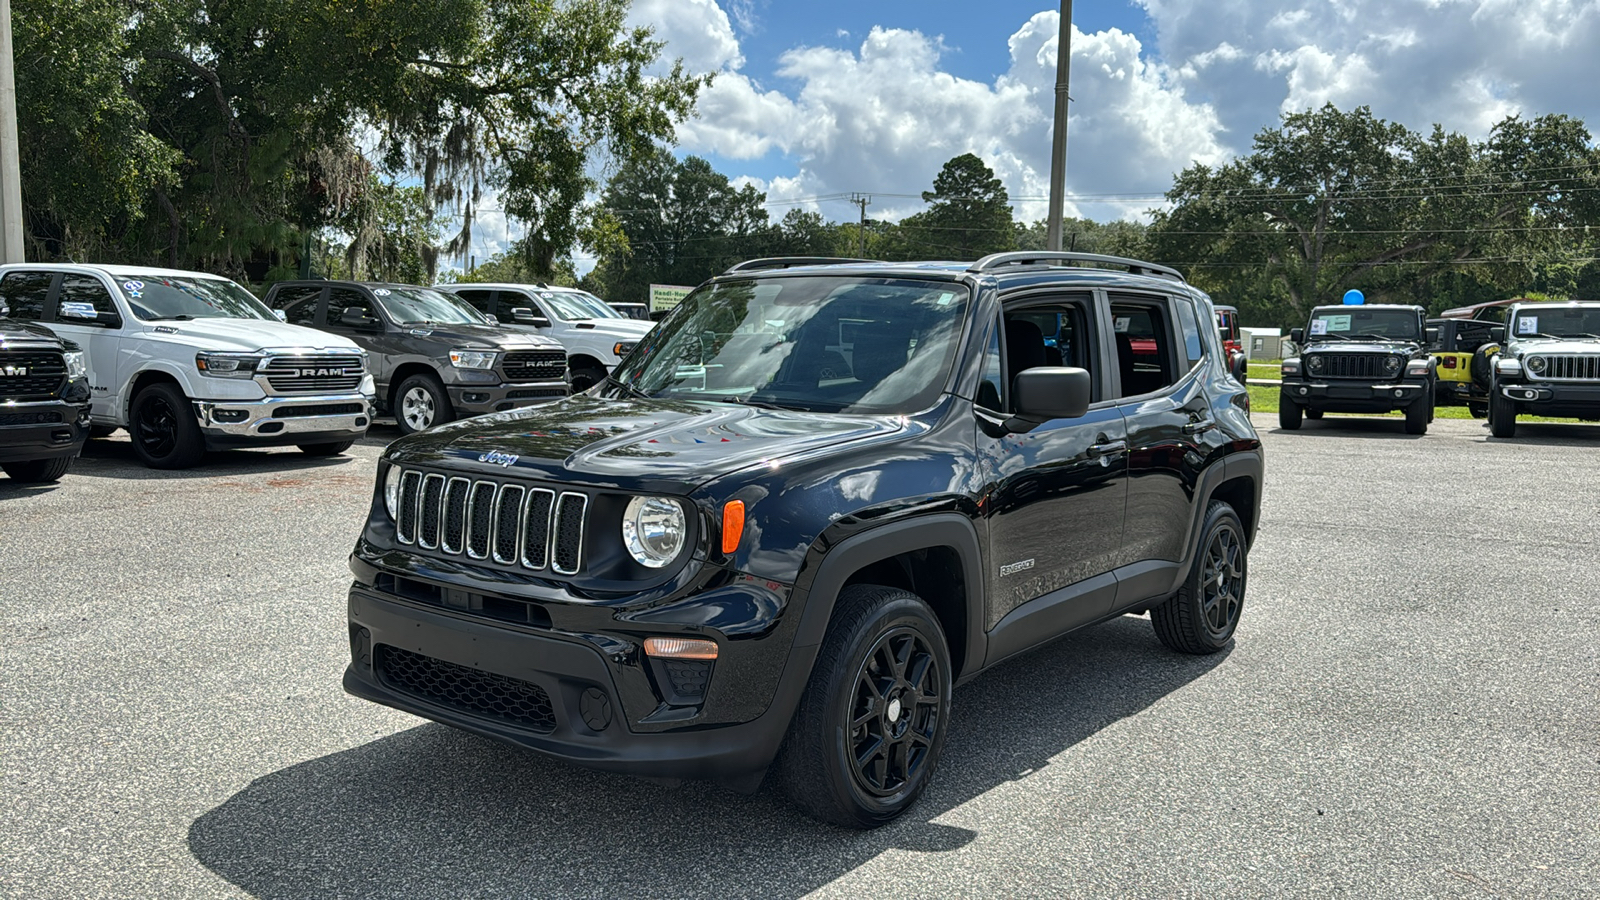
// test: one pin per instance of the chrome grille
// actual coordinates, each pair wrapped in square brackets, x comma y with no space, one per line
[1569,367]
[509,524]
[1352,365]
[31,375]
[312,374]
[534,365]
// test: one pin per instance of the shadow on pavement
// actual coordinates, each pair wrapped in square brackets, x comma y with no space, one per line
[1335,426]
[114,457]
[435,812]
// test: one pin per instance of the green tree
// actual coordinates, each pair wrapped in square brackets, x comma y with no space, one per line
[1119,238]
[969,216]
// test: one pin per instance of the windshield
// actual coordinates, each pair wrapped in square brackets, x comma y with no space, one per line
[1560,322]
[1355,322]
[826,344]
[421,306]
[567,305]
[162,297]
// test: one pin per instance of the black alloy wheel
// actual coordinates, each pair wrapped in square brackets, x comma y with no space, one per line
[585,378]
[164,430]
[1202,616]
[865,739]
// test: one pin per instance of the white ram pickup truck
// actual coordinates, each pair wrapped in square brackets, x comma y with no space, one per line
[189,362]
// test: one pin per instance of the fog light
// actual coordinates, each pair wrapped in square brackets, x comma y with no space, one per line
[1304,391]
[230,415]
[680,648]
[1399,393]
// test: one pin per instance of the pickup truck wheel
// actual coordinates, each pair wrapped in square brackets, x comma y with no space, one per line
[332,448]
[165,433]
[1314,415]
[1419,414]
[583,379]
[866,737]
[421,403]
[102,431]
[1202,615]
[38,471]
[1502,414]
[1289,414]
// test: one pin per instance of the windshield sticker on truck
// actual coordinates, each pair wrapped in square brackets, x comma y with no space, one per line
[1121,323]
[1528,325]
[381,292]
[1319,326]
[1338,323]
[134,288]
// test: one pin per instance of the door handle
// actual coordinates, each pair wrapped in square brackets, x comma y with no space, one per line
[1107,448]
[1199,425]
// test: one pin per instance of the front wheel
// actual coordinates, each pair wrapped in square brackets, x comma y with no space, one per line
[1289,414]
[332,448]
[165,433]
[1419,414]
[1202,615]
[38,471]
[583,379]
[1502,414]
[866,737]
[421,403]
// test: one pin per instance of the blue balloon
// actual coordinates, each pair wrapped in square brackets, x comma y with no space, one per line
[1354,298]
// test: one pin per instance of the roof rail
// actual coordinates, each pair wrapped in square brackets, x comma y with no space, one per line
[786,262]
[1045,257]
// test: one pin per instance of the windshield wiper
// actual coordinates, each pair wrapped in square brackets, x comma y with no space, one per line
[1313,338]
[1377,337]
[181,318]
[1583,334]
[1538,334]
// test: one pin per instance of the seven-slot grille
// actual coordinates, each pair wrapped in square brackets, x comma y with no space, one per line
[318,374]
[1352,365]
[1571,367]
[31,375]
[534,365]
[511,524]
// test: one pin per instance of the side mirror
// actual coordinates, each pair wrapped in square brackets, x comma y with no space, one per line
[1433,335]
[280,314]
[4,309]
[525,316]
[1048,392]
[1298,335]
[356,317]
[1498,334]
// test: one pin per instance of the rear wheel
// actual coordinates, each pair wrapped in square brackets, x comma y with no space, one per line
[866,737]
[332,448]
[1502,414]
[38,471]
[1289,414]
[164,430]
[1202,615]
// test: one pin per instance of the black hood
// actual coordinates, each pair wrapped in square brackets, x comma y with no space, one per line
[27,332]
[672,444]
[493,336]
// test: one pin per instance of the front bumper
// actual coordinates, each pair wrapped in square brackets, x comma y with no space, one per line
[1577,401]
[477,399]
[46,429]
[276,421]
[567,694]
[1354,396]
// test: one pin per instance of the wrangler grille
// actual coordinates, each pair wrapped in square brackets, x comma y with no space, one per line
[313,374]
[510,524]
[1352,365]
[511,700]
[534,365]
[1570,367]
[32,375]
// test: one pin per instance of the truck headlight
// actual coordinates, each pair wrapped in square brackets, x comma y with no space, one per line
[227,365]
[1536,365]
[654,529]
[77,367]
[391,492]
[623,348]
[472,359]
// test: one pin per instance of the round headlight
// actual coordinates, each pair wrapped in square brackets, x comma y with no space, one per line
[1313,364]
[654,530]
[1536,364]
[1391,365]
[391,492]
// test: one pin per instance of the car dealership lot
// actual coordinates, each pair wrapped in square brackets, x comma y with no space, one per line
[1411,708]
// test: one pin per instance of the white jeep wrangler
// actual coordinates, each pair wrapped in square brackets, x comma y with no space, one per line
[189,362]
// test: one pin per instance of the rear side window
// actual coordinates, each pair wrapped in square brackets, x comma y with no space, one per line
[289,296]
[1189,326]
[478,300]
[302,311]
[25,293]
[1147,358]
[341,299]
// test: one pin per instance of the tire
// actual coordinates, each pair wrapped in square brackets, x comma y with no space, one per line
[1502,414]
[583,379]
[38,471]
[421,403]
[1481,367]
[1314,415]
[1478,410]
[163,427]
[1419,414]
[1202,616]
[102,431]
[884,648]
[332,448]
[1289,414]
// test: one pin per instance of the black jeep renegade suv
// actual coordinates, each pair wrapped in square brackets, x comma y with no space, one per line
[810,502]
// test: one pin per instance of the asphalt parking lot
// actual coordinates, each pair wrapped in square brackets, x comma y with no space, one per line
[1411,709]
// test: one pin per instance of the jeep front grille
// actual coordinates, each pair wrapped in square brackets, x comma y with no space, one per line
[1569,367]
[319,374]
[31,375]
[534,365]
[510,524]
[1352,365]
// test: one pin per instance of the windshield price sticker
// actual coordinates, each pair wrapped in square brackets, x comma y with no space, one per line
[1528,325]
[1319,326]
[1338,323]
[381,292]
[134,288]
[1121,323]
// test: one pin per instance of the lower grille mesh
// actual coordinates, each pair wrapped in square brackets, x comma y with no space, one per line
[510,700]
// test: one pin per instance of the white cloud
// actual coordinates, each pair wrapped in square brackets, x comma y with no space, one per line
[696,31]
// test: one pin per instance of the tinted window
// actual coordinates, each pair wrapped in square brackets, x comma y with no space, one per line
[303,312]
[283,298]
[25,293]
[1053,335]
[991,387]
[1145,351]
[341,299]
[478,300]
[1189,326]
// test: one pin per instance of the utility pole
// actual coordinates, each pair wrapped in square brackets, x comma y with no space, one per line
[11,250]
[863,201]
[1058,146]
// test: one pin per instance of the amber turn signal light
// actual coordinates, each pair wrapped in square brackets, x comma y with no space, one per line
[732,525]
[680,648]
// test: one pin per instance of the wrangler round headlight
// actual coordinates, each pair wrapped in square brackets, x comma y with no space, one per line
[1313,364]
[1536,365]
[654,529]
[1391,364]
[391,492]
